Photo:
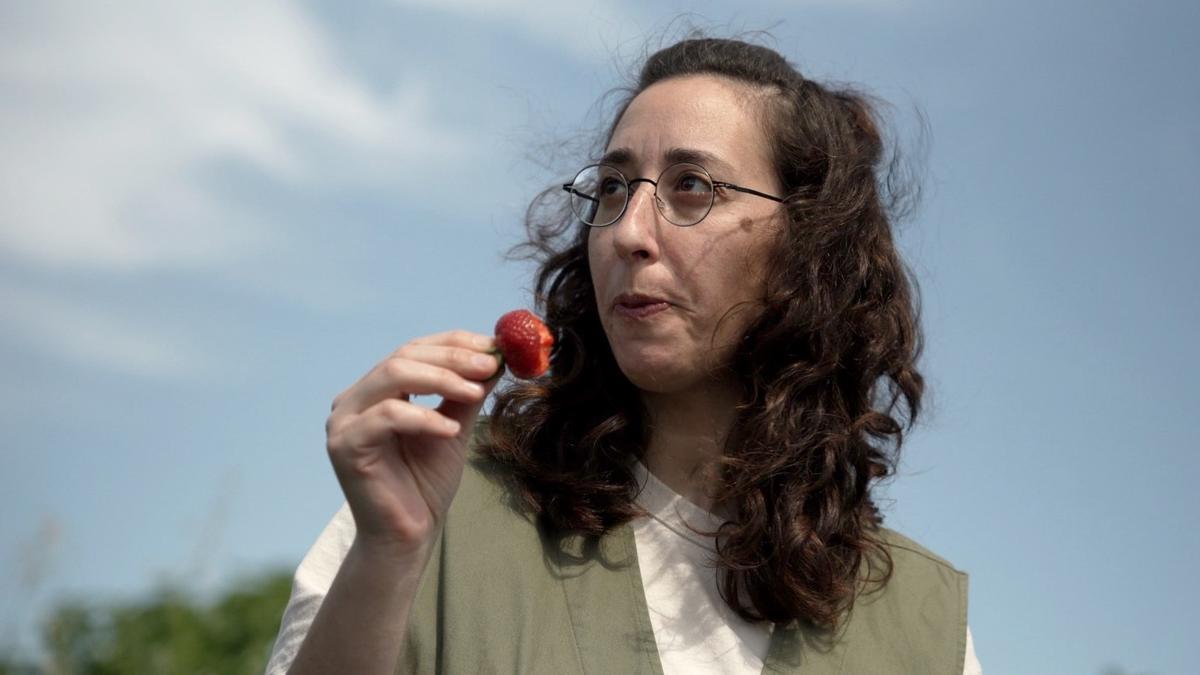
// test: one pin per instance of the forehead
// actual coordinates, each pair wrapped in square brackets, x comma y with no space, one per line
[713,116]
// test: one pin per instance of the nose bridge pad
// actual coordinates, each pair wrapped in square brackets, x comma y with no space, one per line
[654,192]
[633,186]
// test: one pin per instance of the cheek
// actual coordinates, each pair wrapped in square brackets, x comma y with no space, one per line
[736,273]
[596,264]
[756,258]
[739,284]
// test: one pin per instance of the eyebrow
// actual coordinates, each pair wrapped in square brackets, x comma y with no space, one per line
[624,156]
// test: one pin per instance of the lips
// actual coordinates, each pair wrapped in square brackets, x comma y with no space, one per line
[634,300]
[639,305]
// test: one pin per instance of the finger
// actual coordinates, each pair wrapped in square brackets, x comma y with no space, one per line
[396,377]
[458,338]
[381,422]
[467,413]
[470,363]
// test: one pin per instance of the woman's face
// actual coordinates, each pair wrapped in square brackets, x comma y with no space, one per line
[675,300]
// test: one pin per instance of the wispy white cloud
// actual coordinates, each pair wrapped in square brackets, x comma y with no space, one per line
[107,110]
[95,338]
[614,30]
[588,30]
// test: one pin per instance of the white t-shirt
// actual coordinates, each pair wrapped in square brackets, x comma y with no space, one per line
[698,632]
[702,636]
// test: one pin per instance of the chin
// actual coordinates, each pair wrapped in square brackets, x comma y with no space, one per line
[659,376]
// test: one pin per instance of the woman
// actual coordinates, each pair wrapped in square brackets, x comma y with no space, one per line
[736,333]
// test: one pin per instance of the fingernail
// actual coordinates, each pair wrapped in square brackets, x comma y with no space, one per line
[483,361]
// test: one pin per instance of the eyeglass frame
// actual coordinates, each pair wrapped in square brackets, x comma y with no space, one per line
[658,201]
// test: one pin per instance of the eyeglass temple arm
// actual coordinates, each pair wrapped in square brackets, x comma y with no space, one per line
[571,188]
[747,190]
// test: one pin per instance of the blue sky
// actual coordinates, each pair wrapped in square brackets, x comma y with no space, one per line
[214,216]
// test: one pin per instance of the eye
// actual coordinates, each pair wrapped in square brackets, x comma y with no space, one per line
[692,183]
[611,186]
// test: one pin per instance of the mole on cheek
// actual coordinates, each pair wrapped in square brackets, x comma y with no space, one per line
[747,223]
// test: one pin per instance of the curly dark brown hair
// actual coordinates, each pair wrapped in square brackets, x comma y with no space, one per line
[829,373]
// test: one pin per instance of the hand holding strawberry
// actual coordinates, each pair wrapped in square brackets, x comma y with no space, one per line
[399,462]
[524,342]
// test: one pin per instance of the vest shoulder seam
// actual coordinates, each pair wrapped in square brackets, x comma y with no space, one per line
[895,540]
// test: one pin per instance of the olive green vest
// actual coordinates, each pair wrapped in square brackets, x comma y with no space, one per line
[497,597]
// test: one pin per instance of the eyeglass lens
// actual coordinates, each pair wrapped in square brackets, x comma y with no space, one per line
[600,193]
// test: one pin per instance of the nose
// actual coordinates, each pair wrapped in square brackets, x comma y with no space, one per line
[635,234]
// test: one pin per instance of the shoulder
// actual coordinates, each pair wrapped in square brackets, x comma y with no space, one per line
[485,486]
[918,573]
[484,480]
[913,553]
[487,504]
[486,483]
[918,616]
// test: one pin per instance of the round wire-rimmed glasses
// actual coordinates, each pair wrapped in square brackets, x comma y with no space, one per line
[684,193]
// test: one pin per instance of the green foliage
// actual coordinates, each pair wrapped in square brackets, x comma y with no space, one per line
[168,634]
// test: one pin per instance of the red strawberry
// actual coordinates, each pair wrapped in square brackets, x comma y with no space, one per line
[525,343]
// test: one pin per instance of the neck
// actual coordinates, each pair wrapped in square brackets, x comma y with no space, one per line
[687,433]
